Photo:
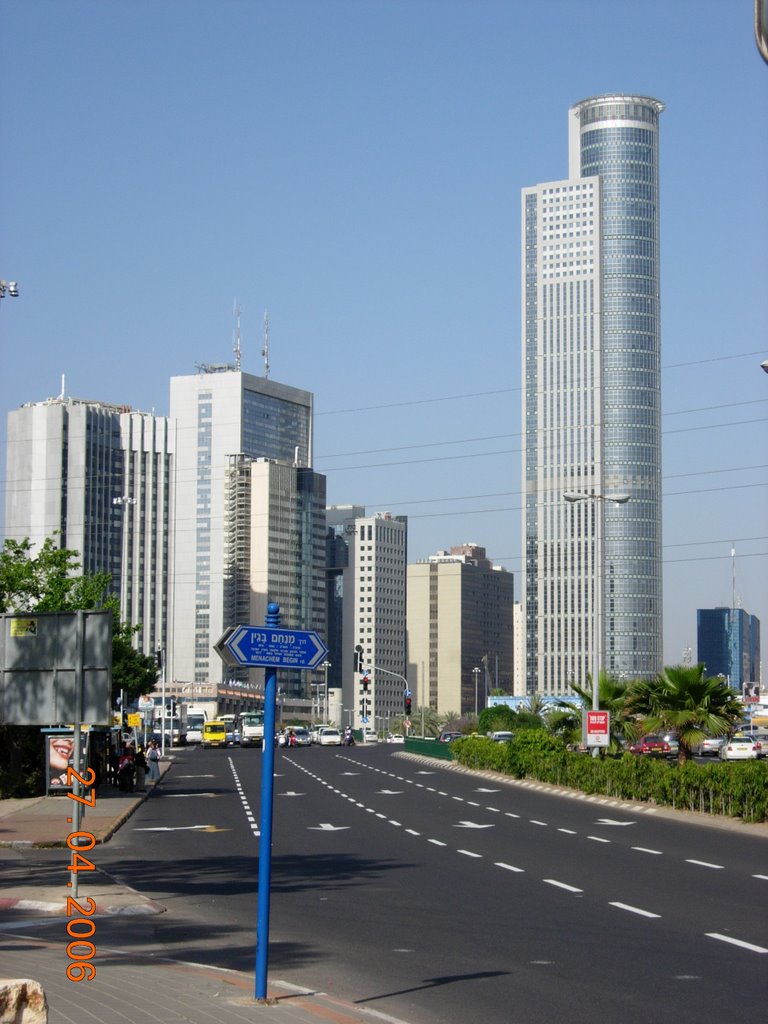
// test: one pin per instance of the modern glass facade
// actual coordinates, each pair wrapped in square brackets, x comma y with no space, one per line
[591,402]
[728,643]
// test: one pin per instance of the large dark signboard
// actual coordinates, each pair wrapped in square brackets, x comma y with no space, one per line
[47,660]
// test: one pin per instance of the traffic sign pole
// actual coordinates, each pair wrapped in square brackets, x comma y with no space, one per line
[265,817]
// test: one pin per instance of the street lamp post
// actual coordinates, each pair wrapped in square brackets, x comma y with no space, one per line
[597,611]
[326,666]
[476,674]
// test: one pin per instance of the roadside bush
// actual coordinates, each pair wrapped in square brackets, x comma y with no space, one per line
[735,790]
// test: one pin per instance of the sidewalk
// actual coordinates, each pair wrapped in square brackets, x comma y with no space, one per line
[128,987]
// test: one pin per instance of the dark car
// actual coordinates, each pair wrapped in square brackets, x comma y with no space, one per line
[653,746]
[449,737]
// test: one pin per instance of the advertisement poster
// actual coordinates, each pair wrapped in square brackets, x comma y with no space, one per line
[60,752]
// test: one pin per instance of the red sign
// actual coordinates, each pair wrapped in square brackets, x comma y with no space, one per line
[598,728]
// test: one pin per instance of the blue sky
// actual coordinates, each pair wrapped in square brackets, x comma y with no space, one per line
[354,168]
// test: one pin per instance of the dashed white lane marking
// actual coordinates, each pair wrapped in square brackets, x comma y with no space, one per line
[598,839]
[469,853]
[736,942]
[412,832]
[568,831]
[763,878]
[644,849]
[561,885]
[252,823]
[436,842]
[508,867]
[704,864]
[634,910]
[533,821]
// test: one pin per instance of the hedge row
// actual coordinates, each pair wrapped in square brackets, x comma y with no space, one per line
[736,790]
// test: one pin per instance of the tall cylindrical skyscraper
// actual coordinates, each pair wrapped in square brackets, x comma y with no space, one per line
[591,402]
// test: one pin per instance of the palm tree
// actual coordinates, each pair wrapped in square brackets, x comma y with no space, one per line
[682,700]
[612,696]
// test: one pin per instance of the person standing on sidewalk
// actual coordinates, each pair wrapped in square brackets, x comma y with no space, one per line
[153,758]
[140,770]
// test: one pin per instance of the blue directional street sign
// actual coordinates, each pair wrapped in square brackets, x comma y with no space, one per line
[269,646]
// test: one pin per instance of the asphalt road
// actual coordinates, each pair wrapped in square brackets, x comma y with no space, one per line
[439,897]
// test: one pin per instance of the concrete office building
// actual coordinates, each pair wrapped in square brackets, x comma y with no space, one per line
[220,413]
[728,643]
[96,477]
[274,551]
[367,585]
[460,629]
[591,401]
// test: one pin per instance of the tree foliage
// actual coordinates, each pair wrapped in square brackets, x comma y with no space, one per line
[681,699]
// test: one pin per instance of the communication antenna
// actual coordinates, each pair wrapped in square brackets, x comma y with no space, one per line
[236,311]
[265,350]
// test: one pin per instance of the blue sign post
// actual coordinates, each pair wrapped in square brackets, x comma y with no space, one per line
[271,647]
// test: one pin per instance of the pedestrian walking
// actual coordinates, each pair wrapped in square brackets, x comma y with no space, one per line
[153,760]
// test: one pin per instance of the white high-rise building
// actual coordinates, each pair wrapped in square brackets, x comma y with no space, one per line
[96,478]
[592,403]
[372,583]
[219,413]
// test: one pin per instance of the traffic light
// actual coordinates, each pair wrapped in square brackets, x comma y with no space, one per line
[365,682]
[407,705]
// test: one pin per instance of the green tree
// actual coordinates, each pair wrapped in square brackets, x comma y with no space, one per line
[500,718]
[47,581]
[682,700]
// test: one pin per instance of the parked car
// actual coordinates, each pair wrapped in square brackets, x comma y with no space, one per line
[449,737]
[740,748]
[653,746]
[329,738]
[672,742]
[502,736]
[762,738]
[710,746]
[395,737]
[369,736]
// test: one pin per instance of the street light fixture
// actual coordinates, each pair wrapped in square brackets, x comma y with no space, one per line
[11,287]
[476,673]
[597,617]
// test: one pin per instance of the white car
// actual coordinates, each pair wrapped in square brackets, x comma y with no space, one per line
[740,748]
[369,736]
[329,738]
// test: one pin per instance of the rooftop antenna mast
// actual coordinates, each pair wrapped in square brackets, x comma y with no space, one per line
[236,311]
[265,350]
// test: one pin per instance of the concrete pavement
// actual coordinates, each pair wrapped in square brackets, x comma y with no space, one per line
[128,987]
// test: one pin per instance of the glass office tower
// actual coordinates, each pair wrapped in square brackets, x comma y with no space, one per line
[218,413]
[592,401]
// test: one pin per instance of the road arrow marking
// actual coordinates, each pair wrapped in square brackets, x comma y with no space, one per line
[179,795]
[183,828]
[350,773]
[327,827]
[471,824]
[390,792]
[610,821]
[291,793]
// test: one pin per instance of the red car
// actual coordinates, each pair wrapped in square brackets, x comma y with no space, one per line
[656,746]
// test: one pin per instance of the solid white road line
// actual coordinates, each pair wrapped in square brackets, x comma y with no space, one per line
[736,942]
[634,910]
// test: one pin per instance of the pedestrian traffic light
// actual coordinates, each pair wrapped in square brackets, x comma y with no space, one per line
[407,705]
